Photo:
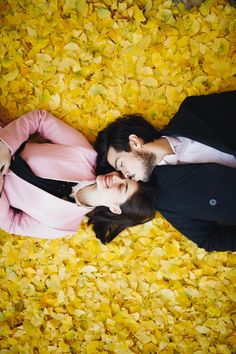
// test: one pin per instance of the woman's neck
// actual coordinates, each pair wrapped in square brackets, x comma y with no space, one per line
[86,196]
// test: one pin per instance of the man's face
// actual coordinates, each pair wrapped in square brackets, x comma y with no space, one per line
[137,165]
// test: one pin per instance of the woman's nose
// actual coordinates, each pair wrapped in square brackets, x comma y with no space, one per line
[116,179]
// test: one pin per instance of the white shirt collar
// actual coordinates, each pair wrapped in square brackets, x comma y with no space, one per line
[77,187]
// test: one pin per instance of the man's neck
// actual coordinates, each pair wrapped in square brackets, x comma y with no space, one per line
[160,148]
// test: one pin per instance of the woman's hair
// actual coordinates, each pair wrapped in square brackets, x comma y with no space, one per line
[138,209]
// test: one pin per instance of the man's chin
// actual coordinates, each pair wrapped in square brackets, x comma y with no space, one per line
[143,179]
[146,177]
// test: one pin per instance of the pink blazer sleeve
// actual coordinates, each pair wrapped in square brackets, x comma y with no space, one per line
[19,223]
[48,126]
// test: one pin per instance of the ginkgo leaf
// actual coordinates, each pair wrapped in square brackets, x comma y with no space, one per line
[151,290]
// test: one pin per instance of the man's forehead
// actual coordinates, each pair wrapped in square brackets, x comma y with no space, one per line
[113,155]
[112,151]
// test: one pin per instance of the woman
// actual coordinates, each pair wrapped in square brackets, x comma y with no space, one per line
[67,161]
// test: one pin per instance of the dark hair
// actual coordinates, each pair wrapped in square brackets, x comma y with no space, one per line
[136,210]
[117,133]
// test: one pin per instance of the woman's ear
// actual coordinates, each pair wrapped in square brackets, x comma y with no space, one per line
[115,209]
[135,142]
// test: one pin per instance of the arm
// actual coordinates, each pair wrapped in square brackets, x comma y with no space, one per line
[20,223]
[208,235]
[5,160]
[49,127]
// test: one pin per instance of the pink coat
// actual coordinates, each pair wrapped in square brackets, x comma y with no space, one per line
[69,158]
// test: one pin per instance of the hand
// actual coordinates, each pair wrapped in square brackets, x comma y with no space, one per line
[5,160]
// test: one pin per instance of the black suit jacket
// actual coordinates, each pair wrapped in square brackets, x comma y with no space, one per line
[209,119]
[200,199]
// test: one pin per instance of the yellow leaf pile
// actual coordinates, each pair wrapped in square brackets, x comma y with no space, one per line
[150,290]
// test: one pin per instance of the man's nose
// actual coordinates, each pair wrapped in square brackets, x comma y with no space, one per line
[125,173]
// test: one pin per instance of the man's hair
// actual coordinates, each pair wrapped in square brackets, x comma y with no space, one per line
[116,135]
[138,209]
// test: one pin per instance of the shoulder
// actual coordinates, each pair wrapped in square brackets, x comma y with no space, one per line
[219,98]
[173,175]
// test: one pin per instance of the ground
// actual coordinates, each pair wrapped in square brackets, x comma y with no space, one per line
[150,290]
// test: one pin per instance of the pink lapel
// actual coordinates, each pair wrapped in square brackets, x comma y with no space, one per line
[44,207]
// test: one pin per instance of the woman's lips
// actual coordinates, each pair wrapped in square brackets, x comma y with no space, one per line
[107,181]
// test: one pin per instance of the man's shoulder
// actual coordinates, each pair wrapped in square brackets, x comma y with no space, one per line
[211,98]
[173,175]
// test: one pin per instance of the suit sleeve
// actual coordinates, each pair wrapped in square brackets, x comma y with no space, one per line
[42,122]
[208,235]
[19,223]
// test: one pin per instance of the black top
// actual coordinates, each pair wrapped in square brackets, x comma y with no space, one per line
[60,189]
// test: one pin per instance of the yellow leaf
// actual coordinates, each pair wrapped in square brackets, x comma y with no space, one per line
[103,13]
[29,328]
[202,329]
[11,75]
[97,89]
[138,14]
[149,81]
[71,46]
[220,46]
[54,101]
[82,7]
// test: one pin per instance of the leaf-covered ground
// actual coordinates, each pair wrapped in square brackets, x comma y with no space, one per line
[150,290]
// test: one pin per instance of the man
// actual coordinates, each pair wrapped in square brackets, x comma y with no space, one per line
[191,162]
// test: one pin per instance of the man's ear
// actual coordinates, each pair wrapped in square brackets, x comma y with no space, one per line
[115,209]
[135,142]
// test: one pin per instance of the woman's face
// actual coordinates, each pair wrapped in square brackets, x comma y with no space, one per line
[113,189]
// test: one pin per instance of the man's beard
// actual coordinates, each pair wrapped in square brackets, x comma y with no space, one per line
[148,160]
